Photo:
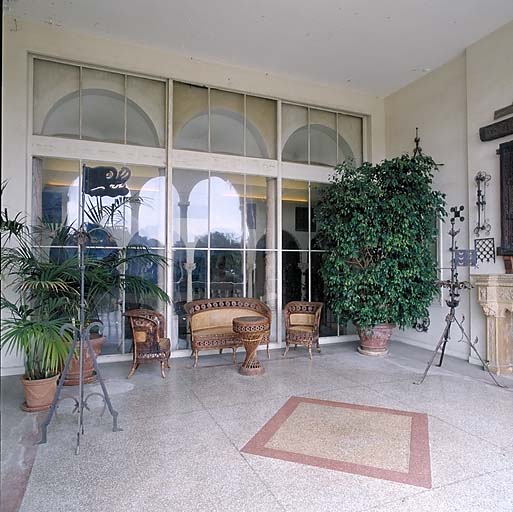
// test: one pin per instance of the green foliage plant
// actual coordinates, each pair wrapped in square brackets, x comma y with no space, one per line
[378,223]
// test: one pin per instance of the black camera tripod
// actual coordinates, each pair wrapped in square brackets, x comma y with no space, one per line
[454,285]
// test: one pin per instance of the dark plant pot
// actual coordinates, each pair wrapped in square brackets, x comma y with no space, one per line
[374,342]
[38,393]
[72,377]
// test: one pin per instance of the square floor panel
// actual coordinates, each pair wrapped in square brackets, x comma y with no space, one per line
[372,441]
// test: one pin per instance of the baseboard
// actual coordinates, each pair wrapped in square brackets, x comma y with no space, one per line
[431,346]
[13,370]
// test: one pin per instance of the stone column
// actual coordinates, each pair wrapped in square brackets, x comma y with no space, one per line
[495,295]
[270,243]
[189,267]
[183,206]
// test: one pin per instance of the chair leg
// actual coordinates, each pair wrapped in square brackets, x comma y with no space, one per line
[268,353]
[195,359]
[310,351]
[286,350]
[234,357]
[135,365]
[162,372]
[167,362]
[220,351]
[318,346]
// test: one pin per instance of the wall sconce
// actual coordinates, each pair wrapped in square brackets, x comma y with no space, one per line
[482,179]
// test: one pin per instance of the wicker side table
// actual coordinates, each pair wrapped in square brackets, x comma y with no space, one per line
[251,330]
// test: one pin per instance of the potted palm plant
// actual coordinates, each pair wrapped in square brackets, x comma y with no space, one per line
[378,223]
[41,294]
[33,303]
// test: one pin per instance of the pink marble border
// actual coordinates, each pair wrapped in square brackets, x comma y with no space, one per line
[419,473]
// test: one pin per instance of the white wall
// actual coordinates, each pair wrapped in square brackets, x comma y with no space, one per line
[21,39]
[449,105]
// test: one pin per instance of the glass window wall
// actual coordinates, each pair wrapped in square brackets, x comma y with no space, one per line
[93,104]
[117,228]
[225,228]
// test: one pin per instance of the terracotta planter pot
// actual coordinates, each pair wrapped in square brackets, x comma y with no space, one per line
[73,374]
[38,393]
[374,342]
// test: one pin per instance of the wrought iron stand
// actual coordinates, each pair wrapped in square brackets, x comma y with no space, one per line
[82,338]
[459,258]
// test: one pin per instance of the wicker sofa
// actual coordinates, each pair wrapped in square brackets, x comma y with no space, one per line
[210,322]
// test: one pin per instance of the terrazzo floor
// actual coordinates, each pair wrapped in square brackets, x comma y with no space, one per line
[182,439]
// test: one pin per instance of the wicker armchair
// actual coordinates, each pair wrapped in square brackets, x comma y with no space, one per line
[150,343]
[302,320]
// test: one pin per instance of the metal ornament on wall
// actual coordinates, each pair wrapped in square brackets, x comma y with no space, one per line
[482,180]
[485,249]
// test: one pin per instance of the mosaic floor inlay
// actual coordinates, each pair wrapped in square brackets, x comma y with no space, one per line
[372,441]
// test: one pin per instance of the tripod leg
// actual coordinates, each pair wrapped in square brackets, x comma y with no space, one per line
[483,362]
[442,353]
[53,407]
[443,339]
[106,397]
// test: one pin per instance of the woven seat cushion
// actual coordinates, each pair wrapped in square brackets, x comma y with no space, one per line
[301,328]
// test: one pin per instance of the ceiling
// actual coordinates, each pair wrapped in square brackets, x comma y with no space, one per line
[374,46]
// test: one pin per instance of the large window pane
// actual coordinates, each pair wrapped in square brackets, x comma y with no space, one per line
[323,137]
[295,215]
[189,283]
[109,218]
[295,275]
[226,122]
[190,208]
[261,281]
[260,212]
[148,212]
[55,199]
[190,117]
[103,106]
[350,139]
[260,127]
[294,133]
[316,194]
[226,210]
[226,274]
[146,112]
[56,99]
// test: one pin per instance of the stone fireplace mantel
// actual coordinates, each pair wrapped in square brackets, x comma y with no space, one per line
[495,295]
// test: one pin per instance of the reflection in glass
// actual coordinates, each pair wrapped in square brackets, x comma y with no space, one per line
[55,190]
[226,122]
[294,275]
[56,99]
[350,139]
[189,283]
[226,278]
[295,213]
[323,137]
[316,190]
[260,212]
[294,133]
[190,208]
[260,127]
[226,210]
[261,281]
[190,117]
[147,185]
[103,105]
[329,323]
[145,112]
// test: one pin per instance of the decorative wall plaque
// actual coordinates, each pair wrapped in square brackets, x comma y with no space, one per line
[496,130]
